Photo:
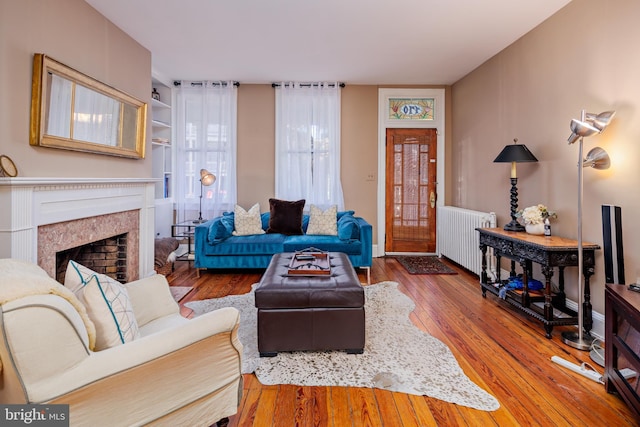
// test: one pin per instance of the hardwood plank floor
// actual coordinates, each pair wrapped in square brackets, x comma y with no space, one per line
[502,350]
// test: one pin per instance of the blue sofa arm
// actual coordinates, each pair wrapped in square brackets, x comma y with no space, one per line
[200,240]
[366,239]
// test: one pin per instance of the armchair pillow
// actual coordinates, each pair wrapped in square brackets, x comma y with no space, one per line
[247,222]
[107,303]
[323,222]
[285,217]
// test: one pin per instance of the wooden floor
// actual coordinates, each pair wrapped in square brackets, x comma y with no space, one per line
[501,350]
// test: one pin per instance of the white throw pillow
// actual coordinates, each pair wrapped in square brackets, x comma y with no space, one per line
[247,222]
[323,222]
[107,303]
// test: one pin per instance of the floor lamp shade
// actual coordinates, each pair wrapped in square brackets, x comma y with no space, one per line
[206,179]
[514,153]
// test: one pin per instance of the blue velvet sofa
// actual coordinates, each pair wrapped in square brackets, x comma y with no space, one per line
[217,248]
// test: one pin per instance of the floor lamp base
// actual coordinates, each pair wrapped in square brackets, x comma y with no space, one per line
[572,339]
[199,221]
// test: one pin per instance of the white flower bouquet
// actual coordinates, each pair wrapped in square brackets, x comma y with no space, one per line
[534,215]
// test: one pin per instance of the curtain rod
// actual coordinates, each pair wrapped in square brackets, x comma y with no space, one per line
[178,83]
[307,84]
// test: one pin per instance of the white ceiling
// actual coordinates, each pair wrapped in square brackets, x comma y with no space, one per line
[352,41]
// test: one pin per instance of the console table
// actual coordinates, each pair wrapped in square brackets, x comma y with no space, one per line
[549,252]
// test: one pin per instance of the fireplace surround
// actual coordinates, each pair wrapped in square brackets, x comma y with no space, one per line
[41,216]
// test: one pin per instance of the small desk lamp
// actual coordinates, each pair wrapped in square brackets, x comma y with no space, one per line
[206,178]
[514,153]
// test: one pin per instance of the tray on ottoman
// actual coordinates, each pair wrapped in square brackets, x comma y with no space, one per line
[310,264]
[299,312]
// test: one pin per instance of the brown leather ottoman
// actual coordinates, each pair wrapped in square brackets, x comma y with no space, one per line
[310,313]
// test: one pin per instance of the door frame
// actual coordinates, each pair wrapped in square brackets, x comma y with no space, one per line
[384,122]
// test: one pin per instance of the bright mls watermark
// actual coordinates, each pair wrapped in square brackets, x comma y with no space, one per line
[34,415]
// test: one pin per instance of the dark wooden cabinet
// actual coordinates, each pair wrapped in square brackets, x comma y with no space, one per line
[622,344]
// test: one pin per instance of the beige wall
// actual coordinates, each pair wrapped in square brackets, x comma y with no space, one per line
[583,57]
[73,33]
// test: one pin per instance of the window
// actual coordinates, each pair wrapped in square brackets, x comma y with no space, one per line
[206,139]
[308,143]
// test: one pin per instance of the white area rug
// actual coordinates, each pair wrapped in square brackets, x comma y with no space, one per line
[179,292]
[397,355]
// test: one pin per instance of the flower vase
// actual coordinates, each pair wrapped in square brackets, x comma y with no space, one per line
[537,229]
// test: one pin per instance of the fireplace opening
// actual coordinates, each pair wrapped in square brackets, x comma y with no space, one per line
[107,256]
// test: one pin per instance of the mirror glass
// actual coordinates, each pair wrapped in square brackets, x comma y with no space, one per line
[73,111]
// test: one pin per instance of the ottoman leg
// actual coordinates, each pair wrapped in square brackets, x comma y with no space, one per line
[268,353]
[355,351]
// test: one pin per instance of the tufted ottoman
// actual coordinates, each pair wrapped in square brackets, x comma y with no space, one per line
[310,313]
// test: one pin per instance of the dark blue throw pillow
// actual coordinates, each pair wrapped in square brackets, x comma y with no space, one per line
[221,227]
[343,213]
[348,228]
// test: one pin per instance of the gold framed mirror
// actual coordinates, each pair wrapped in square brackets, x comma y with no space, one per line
[73,111]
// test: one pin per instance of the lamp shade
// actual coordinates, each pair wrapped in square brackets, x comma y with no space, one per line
[602,120]
[597,158]
[206,177]
[515,153]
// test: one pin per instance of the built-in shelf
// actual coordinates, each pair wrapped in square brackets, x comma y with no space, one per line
[161,140]
[162,153]
[159,124]
[159,104]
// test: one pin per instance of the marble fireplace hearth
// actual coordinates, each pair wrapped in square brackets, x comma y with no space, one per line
[44,216]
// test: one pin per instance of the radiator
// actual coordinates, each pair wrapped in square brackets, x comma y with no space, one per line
[458,240]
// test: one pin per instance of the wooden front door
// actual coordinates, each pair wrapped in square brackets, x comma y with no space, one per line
[410,190]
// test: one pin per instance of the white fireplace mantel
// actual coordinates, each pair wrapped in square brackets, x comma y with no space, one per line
[27,203]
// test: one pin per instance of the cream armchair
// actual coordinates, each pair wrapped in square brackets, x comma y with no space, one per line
[180,372]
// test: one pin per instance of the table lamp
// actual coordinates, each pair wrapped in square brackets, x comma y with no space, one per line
[514,153]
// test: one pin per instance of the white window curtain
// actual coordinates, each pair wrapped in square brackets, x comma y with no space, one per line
[308,144]
[206,139]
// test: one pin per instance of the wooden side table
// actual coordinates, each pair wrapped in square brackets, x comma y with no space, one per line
[549,252]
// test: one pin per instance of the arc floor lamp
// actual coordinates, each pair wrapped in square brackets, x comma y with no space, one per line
[206,179]
[589,124]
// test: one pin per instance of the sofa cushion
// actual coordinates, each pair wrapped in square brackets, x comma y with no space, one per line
[285,216]
[323,222]
[324,243]
[256,244]
[348,228]
[247,222]
[107,303]
[221,227]
[343,213]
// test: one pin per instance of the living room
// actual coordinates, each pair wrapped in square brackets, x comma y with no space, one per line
[580,58]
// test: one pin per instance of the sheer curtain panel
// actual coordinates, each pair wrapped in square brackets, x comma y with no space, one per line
[206,139]
[308,143]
